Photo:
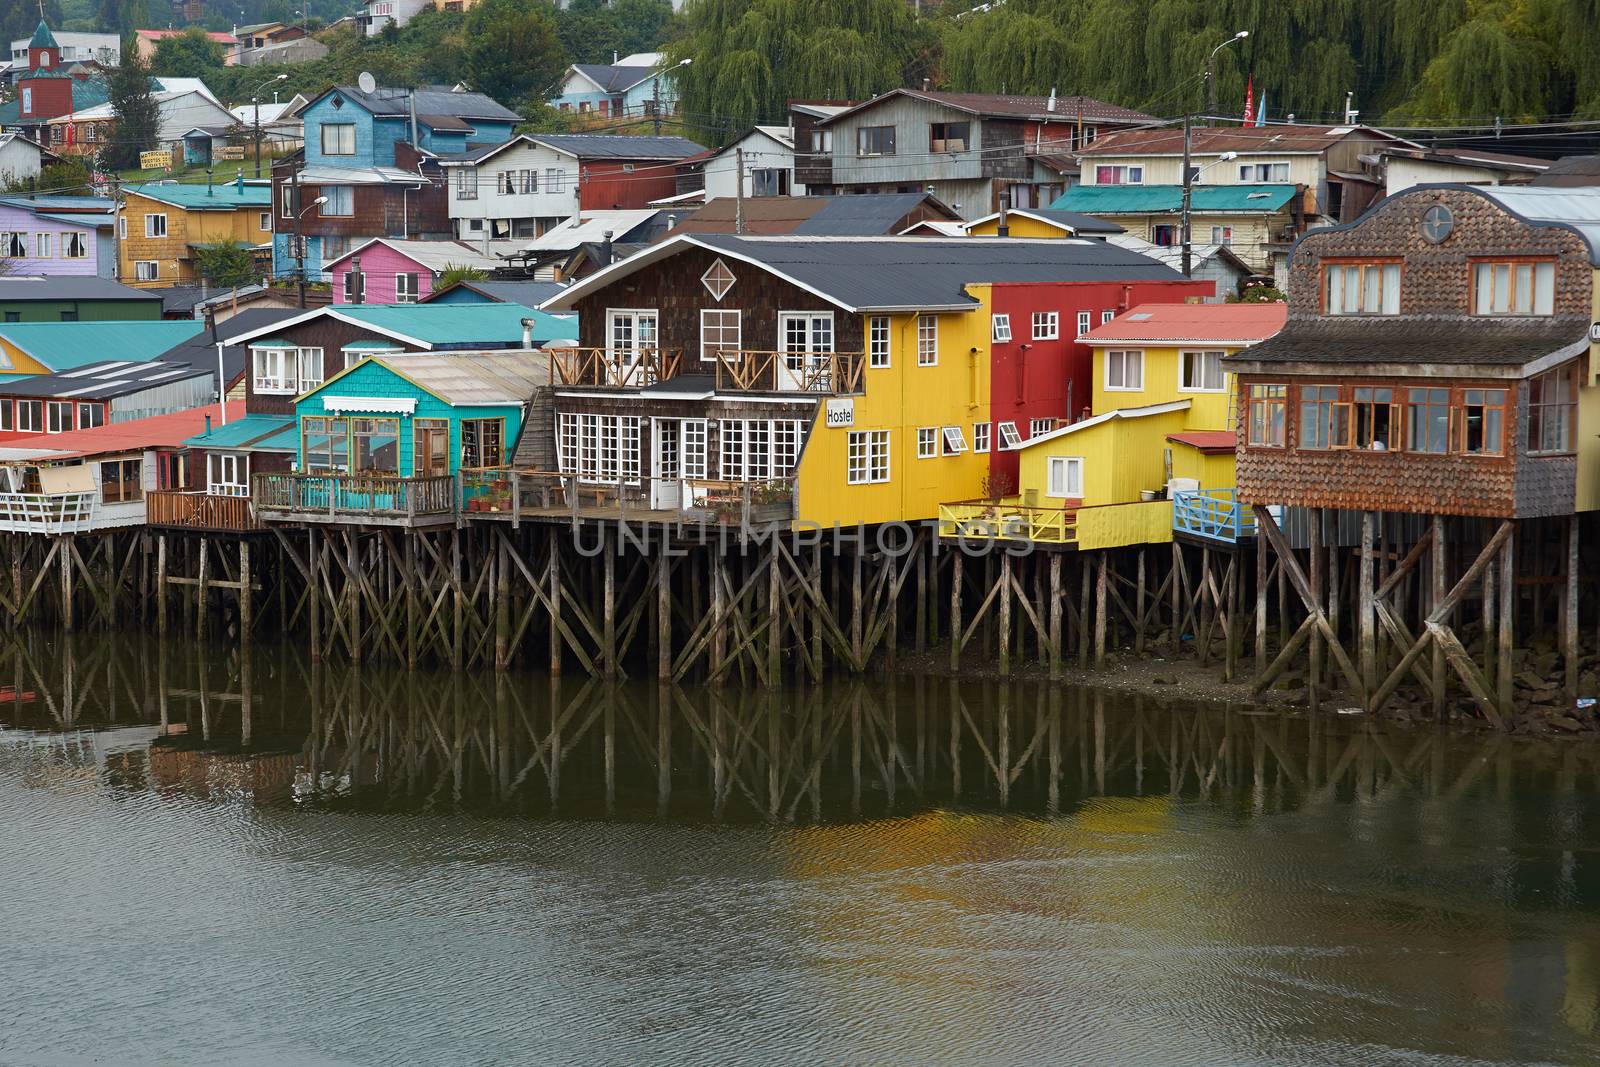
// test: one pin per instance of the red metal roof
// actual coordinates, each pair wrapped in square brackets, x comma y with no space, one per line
[1210,442]
[1215,323]
[157,431]
[1210,140]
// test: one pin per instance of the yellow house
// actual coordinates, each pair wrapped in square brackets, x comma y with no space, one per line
[160,225]
[1041,222]
[1161,435]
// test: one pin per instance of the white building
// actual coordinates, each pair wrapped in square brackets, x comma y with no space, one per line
[103,48]
[375,15]
[20,158]
[767,153]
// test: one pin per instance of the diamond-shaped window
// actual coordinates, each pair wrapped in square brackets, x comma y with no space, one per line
[718,280]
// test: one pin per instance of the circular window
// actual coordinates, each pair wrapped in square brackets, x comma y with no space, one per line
[1437,224]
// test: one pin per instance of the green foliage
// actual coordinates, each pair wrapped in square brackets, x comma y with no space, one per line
[513,51]
[190,54]
[19,19]
[1258,294]
[137,116]
[227,264]
[455,272]
[68,177]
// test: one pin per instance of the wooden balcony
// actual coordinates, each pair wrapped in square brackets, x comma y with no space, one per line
[790,372]
[614,368]
[355,499]
[510,494]
[194,509]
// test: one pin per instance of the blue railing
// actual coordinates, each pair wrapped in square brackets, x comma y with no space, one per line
[1213,513]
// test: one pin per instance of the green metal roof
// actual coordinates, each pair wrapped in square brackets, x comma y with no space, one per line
[68,345]
[196,196]
[373,346]
[252,431]
[462,325]
[42,37]
[1168,199]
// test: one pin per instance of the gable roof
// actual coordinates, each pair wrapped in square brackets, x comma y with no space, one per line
[1172,255]
[1099,420]
[429,326]
[1005,105]
[396,103]
[898,273]
[1243,198]
[1383,344]
[23,287]
[253,432]
[865,215]
[589,226]
[612,79]
[105,379]
[466,378]
[64,345]
[526,292]
[1277,139]
[158,431]
[617,145]
[1067,221]
[1217,324]
[434,255]
[225,196]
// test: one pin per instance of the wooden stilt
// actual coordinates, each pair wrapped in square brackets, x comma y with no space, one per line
[1055,614]
[161,584]
[1366,612]
[1261,605]
[1100,609]
[1570,610]
[1436,593]
[1005,614]
[955,610]
[1504,681]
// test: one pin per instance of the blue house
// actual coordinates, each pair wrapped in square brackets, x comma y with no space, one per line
[630,88]
[373,176]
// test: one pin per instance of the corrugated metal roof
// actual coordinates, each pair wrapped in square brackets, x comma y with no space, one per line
[19,288]
[617,145]
[1397,344]
[466,378]
[159,431]
[387,101]
[434,255]
[106,379]
[529,294]
[1167,199]
[1211,140]
[466,324]
[1575,208]
[65,345]
[244,432]
[1006,105]
[1071,221]
[613,79]
[589,226]
[1214,323]
[219,196]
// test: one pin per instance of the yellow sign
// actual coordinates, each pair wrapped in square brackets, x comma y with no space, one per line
[155,160]
[232,151]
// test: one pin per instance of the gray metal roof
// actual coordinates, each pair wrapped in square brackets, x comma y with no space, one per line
[527,293]
[201,351]
[860,216]
[617,145]
[461,378]
[613,79]
[1577,209]
[27,287]
[1402,343]
[387,101]
[104,380]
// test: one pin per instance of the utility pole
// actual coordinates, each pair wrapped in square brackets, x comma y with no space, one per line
[299,242]
[1188,193]
[738,196]
[655,107]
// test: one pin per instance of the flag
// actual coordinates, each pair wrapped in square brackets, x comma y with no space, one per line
[1261,110]
[1249,94]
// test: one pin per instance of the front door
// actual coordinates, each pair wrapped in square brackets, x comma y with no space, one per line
[666,469]
[433,447]
[807,342]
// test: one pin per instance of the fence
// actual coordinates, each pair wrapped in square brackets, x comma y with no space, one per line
[1213,513]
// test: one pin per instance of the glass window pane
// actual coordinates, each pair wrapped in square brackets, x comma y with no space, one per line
[1544,289]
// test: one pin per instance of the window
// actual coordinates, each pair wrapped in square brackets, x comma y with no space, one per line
[341,202]
[769,181]
[1222,235]
[692,433]
[30,416]
[719,332]
[927,340]
[1268,411]
[1482,422]
[875,141]
[632,331]
[954,442]
[718,279]
[285,203]
[264,223]
[1552,409]
[13,245]
[980,437]
[121,480]
[1200,372]
[1125,370]
[927,442]
[1065,477]
[155,225]
[5,415]
[91,415]
[1118,175]
[146,270]
[555,179]
[1263,172]
[867,457]
[596,448]
[69,316]
[949,136]
[41,246]
[227,474]
[375,445]
[1009,437]
[405,287]
[757,450]
[1107,316]
[308,364]
[1428,425]
[1513,288]
[1046,325]
[483,444]
[355,286]
[172,470]
[1362,288]
[27,100]
[1324,422]
[1374,418]
[878,341]
[1001,327]
[75,245]
[1039,427]
[1085,323]
[324,443]
[122,227]
[821,141]
[338,139]
[1164,235]
[57,416]
[274,371]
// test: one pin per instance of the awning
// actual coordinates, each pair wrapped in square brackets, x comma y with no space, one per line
[389,405]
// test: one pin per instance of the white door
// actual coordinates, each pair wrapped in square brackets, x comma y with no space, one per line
[632,334]
[666,470]
[806,339]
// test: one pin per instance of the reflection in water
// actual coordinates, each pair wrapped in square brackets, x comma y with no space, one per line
[888,871]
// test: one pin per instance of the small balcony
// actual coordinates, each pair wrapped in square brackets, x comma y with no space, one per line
[510,494]
[196,509]
[614,368]
[358,499]
[732,371]
[1212,514]
[1003,521]
[51,513]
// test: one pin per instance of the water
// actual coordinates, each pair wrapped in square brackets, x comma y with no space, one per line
[375,868]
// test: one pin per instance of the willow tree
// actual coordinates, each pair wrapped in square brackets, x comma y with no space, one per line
[1497,64]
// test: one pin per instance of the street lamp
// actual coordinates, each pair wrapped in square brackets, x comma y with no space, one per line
[1211,81]
[1188,186]
[255,98]
[657,105]
[300,242]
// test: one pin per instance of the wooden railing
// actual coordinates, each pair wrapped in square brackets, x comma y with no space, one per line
[48,513]
[515,492]
[997,520]
[789,372]
[1213,513]
[617,368]
[353,496]
[199,510]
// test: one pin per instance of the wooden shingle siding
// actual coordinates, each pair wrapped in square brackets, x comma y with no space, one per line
[328,334]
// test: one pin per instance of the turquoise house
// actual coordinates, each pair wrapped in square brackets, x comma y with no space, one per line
[422,414]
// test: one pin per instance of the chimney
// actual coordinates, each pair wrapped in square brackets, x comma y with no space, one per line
[358,288]
[208,424]
[927,83]
[1050,104]
[527,333]
[1005,205]
[605,250]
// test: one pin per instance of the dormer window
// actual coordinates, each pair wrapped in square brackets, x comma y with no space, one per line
[1369,288]
[1514,288]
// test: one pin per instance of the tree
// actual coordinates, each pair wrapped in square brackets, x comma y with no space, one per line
[513,53]
[190,54]
[227,265]
[138,118]
[19,20]
[455,272]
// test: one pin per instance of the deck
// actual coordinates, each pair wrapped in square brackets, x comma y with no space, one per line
[741,371]
[1212,515]
[355,499]
[66,513]
[195,509]
[511,494]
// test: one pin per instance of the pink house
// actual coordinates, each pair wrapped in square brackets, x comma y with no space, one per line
[393,271]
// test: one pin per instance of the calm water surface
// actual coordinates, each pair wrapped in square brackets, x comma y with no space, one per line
[374,868]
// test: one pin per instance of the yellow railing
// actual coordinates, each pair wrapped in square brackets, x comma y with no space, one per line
[999,520]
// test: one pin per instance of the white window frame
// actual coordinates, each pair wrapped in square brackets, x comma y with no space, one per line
[1000,328]
[1085,322]
[265,222]
[878,342]
[955,442]
[74,239]
[227,474]
[692,440]
[1061,474]
[1009,437]
[122,228]
[146,270]
[927,442]
[1131,357]
[58,416]
[270,380]
[927,340]
[407,287]
[1183,371]
[1106,316]
[154,228]
[980,436]
[1046,325]
[34,408]
[41,246]
[598,449]
[1040,427]
[871,448]
[709,348]
[639,321]
[1222,235]
[90,415]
